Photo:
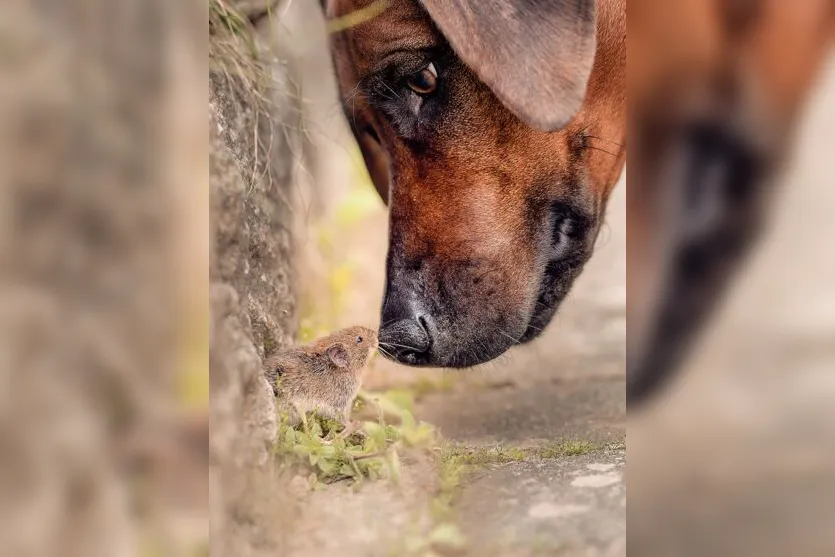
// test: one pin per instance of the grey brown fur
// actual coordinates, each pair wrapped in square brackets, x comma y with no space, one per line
[323,376]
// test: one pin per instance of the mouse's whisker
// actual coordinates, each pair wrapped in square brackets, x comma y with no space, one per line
[395,345]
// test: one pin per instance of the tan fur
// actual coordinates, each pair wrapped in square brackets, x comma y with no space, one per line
[305,378]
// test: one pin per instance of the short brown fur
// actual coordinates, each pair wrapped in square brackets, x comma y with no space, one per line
[473,201]
[307,378]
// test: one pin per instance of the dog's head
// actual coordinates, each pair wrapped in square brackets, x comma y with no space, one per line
[714,90]
[495,132]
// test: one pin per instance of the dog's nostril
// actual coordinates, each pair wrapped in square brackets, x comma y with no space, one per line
[407,334]
[422,321]
[406,340]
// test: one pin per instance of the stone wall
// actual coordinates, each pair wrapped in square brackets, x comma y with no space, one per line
[253,140]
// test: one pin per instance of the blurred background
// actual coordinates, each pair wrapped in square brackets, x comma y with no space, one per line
[734,452]
[103,286]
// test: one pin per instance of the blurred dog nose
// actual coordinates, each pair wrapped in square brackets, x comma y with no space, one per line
[404,335]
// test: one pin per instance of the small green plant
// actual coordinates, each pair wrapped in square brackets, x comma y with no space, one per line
[316,448]
[318,444]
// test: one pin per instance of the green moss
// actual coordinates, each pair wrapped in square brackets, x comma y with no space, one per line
[567,448]
[451,472]
[484,456]
[269,344]
[443,535]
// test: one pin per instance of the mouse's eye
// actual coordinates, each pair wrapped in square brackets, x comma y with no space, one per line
[425,81]
[359,340]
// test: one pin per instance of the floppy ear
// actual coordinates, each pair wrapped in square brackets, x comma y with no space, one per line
[535,55]
[338,354]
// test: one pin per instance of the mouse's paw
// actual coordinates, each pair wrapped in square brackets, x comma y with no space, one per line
[353,427]
[349,429]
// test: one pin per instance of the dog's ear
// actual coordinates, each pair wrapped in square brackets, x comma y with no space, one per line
[535,55]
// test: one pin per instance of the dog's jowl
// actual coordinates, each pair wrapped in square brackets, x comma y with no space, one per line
[495,131]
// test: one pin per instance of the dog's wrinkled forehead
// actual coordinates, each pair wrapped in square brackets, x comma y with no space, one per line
[402,26]
[508,44]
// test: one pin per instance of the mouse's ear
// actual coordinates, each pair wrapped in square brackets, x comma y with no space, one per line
[338,354]
[535,55]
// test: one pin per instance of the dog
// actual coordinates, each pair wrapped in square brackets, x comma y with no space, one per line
[495,131]
[714,88]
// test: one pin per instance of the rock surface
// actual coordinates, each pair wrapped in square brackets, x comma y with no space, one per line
[570,506]
[252,303]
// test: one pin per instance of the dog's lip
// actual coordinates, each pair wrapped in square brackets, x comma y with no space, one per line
[557,280]
[541,316]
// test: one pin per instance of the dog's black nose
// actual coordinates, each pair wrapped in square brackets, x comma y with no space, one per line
[404,335]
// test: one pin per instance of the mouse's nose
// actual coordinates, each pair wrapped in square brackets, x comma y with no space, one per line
[404,335]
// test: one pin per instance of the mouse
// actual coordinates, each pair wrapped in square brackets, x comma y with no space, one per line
[323,376]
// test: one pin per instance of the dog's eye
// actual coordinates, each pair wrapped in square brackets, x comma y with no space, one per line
[359,340]
[425,81]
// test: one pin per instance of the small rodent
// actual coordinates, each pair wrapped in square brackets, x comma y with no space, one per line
[323,376]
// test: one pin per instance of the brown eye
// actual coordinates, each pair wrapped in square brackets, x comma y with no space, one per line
[359,340]
[425,81]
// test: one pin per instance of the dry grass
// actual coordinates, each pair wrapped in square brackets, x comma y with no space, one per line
[233,50]
[241,65]
[357,17]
